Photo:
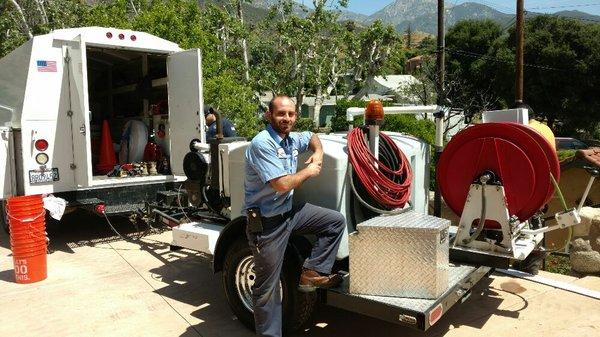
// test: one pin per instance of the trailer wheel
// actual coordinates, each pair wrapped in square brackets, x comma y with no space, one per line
[238,278]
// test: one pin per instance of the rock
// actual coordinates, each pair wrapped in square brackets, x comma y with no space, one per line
[589,215]
[580,245]
[585,262]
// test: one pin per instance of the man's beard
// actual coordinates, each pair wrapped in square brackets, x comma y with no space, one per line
[279,130]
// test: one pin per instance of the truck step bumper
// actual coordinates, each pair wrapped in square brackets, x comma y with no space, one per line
[198,236]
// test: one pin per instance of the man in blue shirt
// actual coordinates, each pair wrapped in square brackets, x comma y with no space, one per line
[271,177]
[211,124]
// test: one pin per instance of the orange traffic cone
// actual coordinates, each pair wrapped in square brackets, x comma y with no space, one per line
[107,159]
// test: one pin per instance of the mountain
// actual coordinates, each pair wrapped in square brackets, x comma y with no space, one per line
[404,10]
[348,15]
[579,15]
[427,22]
[420,15]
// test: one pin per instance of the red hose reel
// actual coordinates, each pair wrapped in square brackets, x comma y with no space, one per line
[520,157]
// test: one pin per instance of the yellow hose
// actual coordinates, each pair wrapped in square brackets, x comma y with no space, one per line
[560,196]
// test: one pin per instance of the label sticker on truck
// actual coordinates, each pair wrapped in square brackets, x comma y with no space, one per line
[43,176]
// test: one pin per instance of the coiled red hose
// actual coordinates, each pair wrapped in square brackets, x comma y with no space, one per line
[390,187]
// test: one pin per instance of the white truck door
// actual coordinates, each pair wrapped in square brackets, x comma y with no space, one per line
[186,118]
[79,113]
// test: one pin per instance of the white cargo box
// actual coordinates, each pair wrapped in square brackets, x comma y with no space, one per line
[404,255]
[61,86]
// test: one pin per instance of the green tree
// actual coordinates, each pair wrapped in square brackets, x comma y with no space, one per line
[235,100]
[369,51]
[471,72]
[563,78]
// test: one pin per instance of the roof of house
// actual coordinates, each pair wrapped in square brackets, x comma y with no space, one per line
[393,82]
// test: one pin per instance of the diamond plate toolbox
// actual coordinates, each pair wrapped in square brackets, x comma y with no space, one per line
[403,255]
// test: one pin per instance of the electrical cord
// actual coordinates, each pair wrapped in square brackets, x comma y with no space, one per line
[123,237]
[386,181]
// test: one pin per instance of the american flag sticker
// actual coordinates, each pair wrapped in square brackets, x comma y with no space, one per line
[46,66]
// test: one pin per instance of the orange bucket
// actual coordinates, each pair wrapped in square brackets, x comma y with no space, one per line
[29,250]
[27,242]
[25,199]
[27,235]
[25,245]
[29,269]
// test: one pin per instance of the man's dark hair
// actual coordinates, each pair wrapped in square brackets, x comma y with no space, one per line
[271,102]
[208,109]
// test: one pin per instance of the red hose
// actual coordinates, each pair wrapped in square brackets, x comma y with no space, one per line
[379,180]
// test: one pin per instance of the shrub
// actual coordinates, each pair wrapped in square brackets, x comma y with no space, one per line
[304,124]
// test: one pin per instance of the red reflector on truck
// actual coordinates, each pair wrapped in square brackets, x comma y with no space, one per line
[41,145]
[121,36]
[109,35]
[133,37]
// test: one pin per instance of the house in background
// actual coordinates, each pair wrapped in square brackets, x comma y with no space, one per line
[389,85]
[414,64]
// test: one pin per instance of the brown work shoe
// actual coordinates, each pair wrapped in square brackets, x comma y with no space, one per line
[310,280]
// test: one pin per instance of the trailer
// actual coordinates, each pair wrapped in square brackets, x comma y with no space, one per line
[57,89]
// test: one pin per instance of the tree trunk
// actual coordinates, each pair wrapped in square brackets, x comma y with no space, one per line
[299,100]
[318,104]
[25,26]
[135,11]
[42,10]
[240,16]
[365,89]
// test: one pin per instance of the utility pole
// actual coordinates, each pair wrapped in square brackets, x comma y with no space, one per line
[519,32]
[439,116]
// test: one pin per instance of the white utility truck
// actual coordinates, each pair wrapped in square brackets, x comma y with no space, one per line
[57,89]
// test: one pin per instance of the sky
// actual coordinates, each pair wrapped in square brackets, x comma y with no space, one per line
[508,6]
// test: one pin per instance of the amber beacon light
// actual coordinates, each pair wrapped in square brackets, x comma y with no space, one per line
[374,112]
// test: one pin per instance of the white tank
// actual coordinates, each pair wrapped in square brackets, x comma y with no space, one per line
[331,188]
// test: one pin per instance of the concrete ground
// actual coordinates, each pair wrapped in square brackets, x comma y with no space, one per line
[99,285]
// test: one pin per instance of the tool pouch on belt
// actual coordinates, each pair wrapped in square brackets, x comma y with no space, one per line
[255,225]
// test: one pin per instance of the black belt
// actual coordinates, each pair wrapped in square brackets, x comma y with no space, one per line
[270,222]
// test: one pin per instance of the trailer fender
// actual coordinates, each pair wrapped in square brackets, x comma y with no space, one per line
[298,246]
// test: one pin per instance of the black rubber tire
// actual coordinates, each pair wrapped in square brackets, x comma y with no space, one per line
[297,306]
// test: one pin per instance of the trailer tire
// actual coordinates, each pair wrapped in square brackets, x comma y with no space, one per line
[237,271]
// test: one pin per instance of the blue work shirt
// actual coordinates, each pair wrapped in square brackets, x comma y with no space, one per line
[228,129]
[268,157]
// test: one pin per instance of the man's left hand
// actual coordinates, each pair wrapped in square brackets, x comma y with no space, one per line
[315,158]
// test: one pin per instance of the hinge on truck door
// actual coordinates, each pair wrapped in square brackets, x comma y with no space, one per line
[82,129]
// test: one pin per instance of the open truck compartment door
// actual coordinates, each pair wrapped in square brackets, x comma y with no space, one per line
[79,111]
[186,116]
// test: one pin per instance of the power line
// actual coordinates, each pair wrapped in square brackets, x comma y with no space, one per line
[564,16]
[498,7]
[491,58]
[566,6]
